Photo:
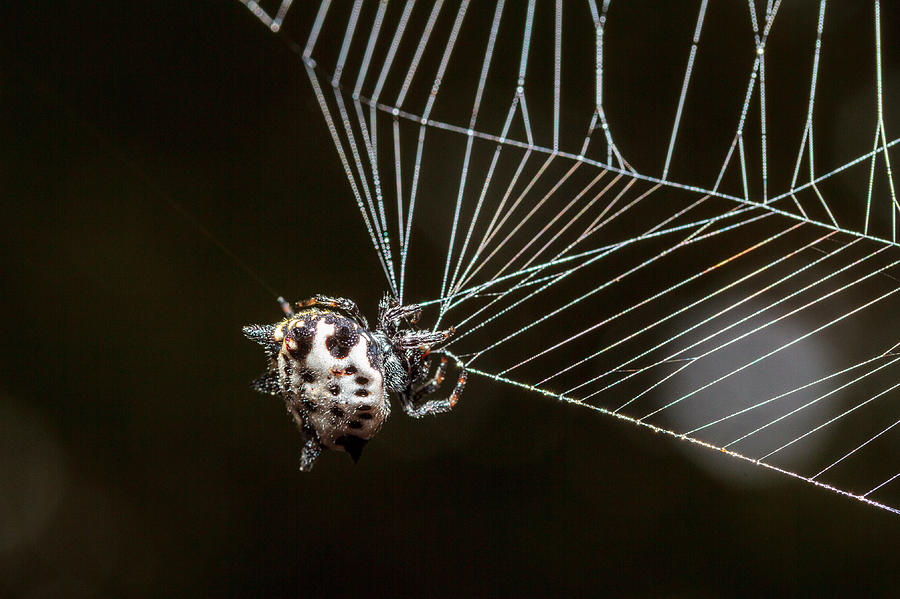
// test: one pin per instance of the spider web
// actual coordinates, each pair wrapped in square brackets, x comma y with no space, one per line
[629,222]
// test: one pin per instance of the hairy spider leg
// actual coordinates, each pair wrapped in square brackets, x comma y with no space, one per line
[412,340]
[432,384]
[460,387]
[342,304]
[311,445]
[397,313]
[285,306]
[415,408]
[309,453]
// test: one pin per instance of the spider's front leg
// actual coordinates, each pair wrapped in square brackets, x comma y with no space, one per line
[341,303]
[424,408]
[285,306]
[414,406]
[409,340]
[391,314]
[397,313]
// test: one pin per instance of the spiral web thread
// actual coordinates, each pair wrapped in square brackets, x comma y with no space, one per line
[661,301]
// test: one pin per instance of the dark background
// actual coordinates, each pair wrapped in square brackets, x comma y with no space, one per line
[135,461]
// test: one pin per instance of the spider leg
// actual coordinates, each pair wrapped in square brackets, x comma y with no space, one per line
[312,447]
[410,340]
[426,408]
[460,387]
[311,450]
[341,303]
[386,303]
[395,313]
[414,406]
[285,306]
[433,384]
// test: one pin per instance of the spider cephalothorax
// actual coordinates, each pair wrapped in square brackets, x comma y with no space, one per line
[334,373]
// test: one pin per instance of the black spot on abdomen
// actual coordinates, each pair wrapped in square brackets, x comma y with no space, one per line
[343,340]
[304,337]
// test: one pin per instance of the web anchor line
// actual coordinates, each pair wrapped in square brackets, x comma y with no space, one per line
[694,441]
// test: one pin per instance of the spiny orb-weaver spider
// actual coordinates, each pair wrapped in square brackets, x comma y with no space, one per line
[334,373]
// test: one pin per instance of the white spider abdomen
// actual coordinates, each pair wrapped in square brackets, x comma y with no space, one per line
[329,372]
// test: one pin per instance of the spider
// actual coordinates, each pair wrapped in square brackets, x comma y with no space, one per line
[334,373]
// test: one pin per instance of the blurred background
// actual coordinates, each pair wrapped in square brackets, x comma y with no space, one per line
[136,461]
